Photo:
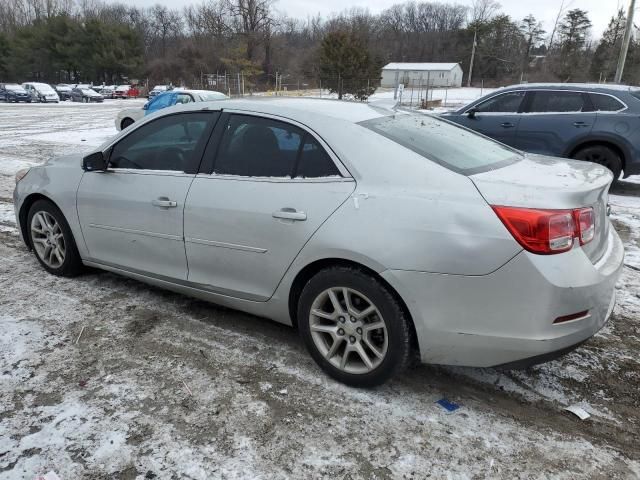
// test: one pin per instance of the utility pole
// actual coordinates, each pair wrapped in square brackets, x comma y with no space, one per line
[625,43]
[473,55]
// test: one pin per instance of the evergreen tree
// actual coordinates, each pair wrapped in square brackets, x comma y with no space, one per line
[533,33]
[346,66]
[603,65]
[574,30]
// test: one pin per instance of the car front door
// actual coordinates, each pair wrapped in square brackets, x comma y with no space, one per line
[132,214]
[497,117]
[554,120]
[247,217]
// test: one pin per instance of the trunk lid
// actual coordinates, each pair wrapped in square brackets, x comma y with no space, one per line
[552,183]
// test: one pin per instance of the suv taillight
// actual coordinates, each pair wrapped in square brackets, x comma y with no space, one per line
[547,232]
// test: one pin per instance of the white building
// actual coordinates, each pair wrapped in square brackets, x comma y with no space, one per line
[417,74]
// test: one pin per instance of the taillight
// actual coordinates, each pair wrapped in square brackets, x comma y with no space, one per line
[586,222]
[547,232]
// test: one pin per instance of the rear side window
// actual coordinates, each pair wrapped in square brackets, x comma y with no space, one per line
[262,147]
[314,161]
[605,103]
[557,102]
[506,103]
[449,145]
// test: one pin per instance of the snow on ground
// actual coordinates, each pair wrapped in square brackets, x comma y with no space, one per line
[103,377]
[451,98]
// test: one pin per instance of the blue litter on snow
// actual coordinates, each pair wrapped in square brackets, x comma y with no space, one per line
[447,405]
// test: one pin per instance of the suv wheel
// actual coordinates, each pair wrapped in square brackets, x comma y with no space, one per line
[602,155]
[353,327]
[125,123]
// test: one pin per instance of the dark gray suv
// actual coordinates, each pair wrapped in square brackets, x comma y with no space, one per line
[597,123]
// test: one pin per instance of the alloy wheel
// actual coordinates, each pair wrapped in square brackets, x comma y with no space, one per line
[348,330]
[48,239]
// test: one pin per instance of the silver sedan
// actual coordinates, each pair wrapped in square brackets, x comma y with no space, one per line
[380,234]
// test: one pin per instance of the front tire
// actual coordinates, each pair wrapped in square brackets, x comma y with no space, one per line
[354,327]
[52,241]
[602,155]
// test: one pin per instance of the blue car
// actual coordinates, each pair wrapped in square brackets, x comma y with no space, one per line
[597,123]
[128,116]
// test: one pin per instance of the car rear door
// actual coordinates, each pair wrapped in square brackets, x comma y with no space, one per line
[554,120]
[251,211]
[132,214]
[497,117]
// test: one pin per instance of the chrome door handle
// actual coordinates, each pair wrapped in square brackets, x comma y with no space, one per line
[507,125]
[164,202]
[290,214]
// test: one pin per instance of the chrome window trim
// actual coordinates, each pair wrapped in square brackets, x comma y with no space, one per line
[142,171]
[625,107]
[547,113]
[497,94]
[241,178]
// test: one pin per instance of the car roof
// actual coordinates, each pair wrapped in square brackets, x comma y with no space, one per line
[595,87]
[305,110]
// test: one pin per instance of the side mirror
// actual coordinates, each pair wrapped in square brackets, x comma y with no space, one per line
[471,113]
[94,162]
[145,106]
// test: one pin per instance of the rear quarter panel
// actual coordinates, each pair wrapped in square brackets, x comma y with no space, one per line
[408,213]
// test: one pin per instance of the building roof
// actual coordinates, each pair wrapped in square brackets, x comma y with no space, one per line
[420,66]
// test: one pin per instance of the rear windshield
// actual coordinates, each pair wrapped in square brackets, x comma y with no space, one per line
[447,144]
[635,92]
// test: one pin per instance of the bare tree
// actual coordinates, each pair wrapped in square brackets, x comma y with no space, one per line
[253,19]
[483,10]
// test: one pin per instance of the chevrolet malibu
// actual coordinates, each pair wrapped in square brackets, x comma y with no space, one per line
[380,234]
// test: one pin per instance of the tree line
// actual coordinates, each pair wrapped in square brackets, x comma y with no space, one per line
[90,40]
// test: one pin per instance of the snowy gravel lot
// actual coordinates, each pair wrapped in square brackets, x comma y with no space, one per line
[163,386]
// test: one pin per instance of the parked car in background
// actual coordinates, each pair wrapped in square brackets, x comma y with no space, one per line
[126,91]
[64,91]
[597,123]
[12,92]
[383,235]
[107,91]
[157,90]
[163,100]
[85,95]
[41,92]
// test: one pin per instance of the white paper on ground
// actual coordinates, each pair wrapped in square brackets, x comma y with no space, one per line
[578,412]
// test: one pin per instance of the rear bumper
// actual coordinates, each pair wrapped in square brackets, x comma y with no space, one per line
[507,316]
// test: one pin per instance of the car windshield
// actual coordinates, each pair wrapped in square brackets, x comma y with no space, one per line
[451,146]
[15,88]
[45,88]
[208,97]
[88,91]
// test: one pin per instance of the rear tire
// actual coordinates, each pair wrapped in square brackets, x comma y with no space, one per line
[52,241]
[353,327]
[125,123]
[602,155]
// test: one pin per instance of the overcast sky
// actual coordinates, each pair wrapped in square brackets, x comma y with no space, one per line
[600,11]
